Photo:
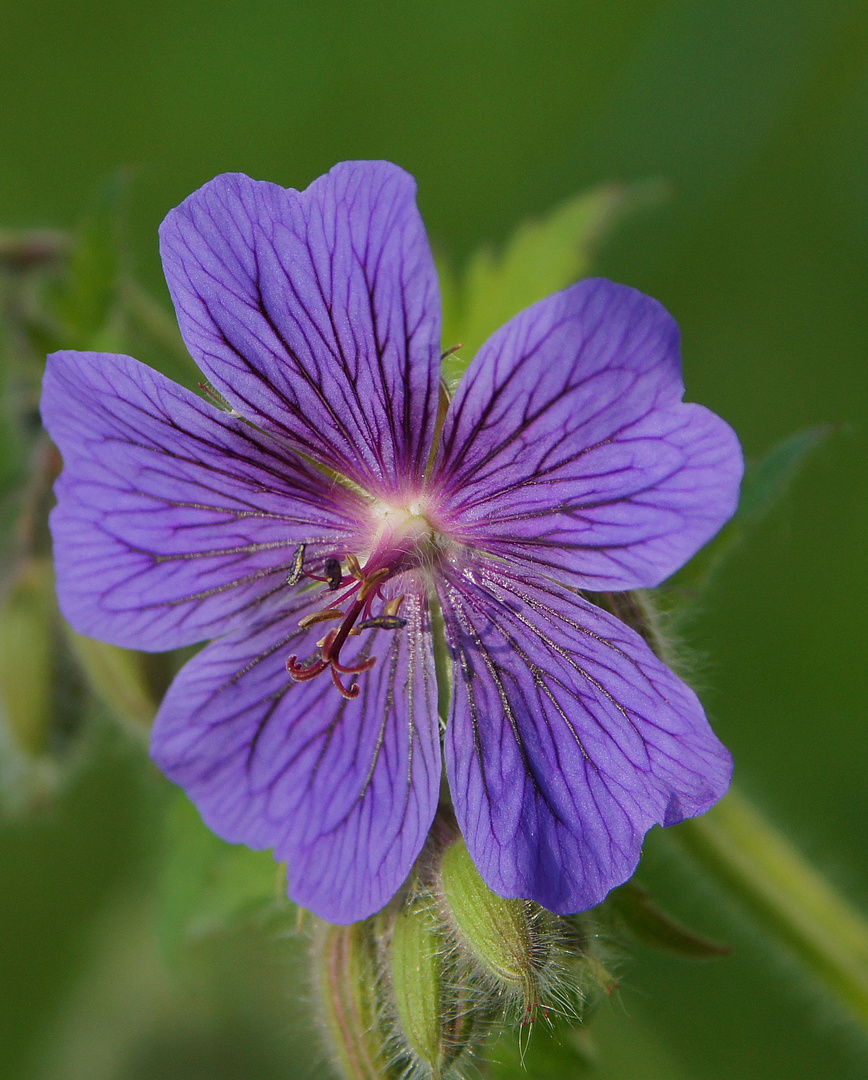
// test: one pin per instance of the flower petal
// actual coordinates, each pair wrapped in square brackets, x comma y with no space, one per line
[568,739]
[317,313]
[174,521]
[343,790]
[567,445]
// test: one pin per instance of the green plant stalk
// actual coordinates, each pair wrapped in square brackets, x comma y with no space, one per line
[788,897]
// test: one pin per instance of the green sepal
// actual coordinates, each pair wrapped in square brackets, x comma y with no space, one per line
[442,661]
[632,906]
[503,936]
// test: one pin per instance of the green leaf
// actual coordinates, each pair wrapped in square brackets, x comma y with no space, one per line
[768,480]
[632,906]
[540,258]
[208,885]
[765,483]
[85,299]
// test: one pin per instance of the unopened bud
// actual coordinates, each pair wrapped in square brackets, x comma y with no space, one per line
[416,968]
[511,940]
[345,981]
[438,1016]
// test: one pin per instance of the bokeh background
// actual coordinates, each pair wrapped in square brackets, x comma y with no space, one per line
[754,115]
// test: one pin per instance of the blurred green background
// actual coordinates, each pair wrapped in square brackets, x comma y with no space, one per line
[755,114]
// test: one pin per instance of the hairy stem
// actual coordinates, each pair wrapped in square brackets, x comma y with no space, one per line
[788,897]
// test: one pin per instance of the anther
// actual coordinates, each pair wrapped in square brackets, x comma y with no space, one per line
[450,351]
[372,582]
[294,575]
[383,622]
[330,645]
[334,577]
[320,616]
[393,606]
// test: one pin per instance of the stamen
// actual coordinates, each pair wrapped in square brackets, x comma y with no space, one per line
[334,577]
[320,616]
[294,575]
[330,646]
[383,622]
[450,351]
[371,583]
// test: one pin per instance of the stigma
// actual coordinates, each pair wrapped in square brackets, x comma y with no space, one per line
[400,538]
[355,610]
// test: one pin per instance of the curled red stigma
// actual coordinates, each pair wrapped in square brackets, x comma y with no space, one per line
[367,586]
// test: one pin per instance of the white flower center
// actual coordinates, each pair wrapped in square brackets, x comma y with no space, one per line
[405,528]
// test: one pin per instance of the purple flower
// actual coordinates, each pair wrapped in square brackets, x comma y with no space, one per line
[310,529]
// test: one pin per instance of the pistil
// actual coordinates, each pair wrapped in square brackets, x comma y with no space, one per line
[366,587]
[400,539]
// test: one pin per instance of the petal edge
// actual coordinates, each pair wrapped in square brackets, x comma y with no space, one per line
[568,739]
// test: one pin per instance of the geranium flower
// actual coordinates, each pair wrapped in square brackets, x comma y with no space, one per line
[309,527]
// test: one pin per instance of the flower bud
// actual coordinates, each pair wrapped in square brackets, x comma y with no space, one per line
[416,968]
[529,958]
[437,1016]
[345,981]
[510,940]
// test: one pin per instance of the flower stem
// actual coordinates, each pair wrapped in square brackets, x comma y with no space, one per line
[786,895]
